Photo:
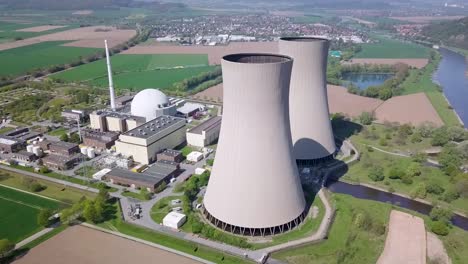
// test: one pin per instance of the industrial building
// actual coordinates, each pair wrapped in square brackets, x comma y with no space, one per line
[60,162]
[204,134]
[73,115]
[189,109]
[25,156]
[254,188]
[170,155]
[149,179]
[104,121]
[98,139]
[60,148]
[123,100]
[311,130]
[144,142]
[150,104]
[10,145]
[22,134]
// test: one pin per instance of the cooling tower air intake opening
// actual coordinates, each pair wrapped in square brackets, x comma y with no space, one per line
[256,58]
[304,39]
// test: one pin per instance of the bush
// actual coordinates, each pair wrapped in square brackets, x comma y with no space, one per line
[406,179]
[419,191]
[43,217]
[210,162]
[5,247]
[376,174]
[440,137]
[37,187]
[434,188]
[44,170]
[160,188]
[450,195]
[366,118]
[439,228]
[414,169]
[441,214]
[396,173]
[383,142]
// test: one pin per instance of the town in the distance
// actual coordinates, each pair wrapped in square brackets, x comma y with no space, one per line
[193,131]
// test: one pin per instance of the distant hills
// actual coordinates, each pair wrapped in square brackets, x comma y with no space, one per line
[83,4]
[450,33]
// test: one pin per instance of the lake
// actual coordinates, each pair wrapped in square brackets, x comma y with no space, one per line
[365,80]
[451,75]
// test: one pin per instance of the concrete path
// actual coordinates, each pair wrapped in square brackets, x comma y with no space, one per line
[34,237]
[58,181]
[406,240]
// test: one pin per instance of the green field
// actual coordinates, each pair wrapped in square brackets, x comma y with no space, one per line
[8,31]
[18,61]
[138,72]
[19,212]
[392,49]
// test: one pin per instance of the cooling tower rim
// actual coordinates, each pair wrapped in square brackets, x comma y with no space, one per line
[249,58]
[304,39]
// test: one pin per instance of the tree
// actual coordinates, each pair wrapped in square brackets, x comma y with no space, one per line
[419,157]
[416,137]
[440,137]
[462,187]
[43,217]
[89,212]
[64,137]
[434,188]
[426,130]
[414,169]
[159,189]
[383,142]
[439,228]
[99,208]
[441,214]
[75,138]
[450,159]
[44,170]
[395,173]
[366,118]
[376,173]
[5,247]
[456,133]
[419,191]
[450,195]
[147,195]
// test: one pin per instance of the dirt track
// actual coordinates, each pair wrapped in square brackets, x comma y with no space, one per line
[406,240]
[81,245]
[39,28]
[417,63]
[94,37]
[214,53]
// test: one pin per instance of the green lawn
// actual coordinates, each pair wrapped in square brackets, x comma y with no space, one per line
[421,81]
[57,132]
[20,60]
[347,242]
[134,195]
[19,213]
[162,208]
[4,130]
[191,248]
[392,49]
[53,190]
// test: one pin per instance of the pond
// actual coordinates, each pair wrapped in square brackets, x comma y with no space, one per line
[365,80]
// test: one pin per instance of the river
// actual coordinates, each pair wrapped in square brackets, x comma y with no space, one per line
[363,192]
[452,76]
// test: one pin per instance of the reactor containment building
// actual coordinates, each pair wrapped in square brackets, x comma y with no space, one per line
[311,130]
[254,188]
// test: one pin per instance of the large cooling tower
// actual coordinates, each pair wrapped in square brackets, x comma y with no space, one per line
[254,188]
[311,129]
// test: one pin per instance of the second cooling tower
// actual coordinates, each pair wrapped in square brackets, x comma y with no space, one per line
[311,129]
[254,188]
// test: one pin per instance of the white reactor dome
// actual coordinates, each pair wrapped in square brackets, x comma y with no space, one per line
[148,103]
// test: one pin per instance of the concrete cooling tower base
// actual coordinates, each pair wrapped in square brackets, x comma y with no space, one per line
[246,231]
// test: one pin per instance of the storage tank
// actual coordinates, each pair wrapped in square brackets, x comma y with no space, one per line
[84,150]
[91,153]
[37,151]
[29,148]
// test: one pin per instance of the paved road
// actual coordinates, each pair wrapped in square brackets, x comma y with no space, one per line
[62,182]
[36,236]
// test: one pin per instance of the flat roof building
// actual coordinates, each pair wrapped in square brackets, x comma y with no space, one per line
[73,115]
[174,220]
[60,147]
[9,144]
[123,100]
[170,155]
[149,181]
[23,155]
[205,133]
[60,162]
[98,139]
[189,109]
[105,120]
[144,142]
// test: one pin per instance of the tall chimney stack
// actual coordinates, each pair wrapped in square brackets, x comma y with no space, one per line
[109,74]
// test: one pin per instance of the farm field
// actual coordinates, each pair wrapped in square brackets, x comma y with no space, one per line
[137,72]
[19,212]
[19,61]
[14,31]
[392,49]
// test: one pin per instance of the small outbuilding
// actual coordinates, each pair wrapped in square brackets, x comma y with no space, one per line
[195,156]
[174,220]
